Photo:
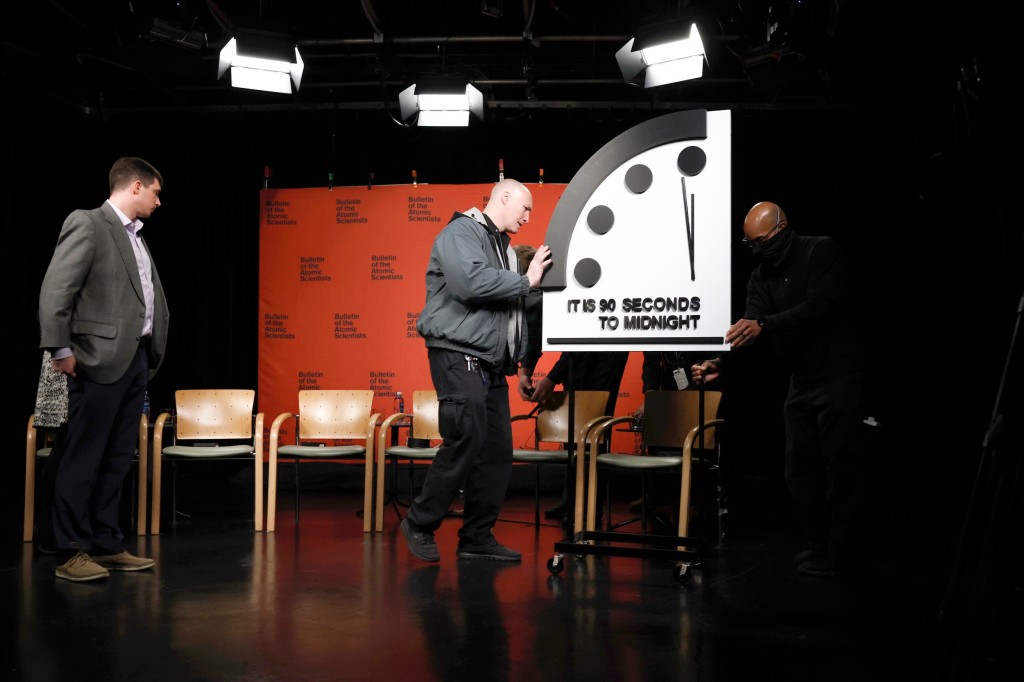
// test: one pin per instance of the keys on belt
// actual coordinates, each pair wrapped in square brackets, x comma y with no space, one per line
[473,365]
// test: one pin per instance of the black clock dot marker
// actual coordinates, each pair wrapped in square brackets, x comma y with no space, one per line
[691,161]
[587,272]
[639,178]
[600,219]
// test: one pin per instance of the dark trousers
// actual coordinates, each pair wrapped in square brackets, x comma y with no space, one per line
[44,521]
[825,462]
[101,439]
[476,452]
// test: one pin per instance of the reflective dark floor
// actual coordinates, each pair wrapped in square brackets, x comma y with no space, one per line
[324,601]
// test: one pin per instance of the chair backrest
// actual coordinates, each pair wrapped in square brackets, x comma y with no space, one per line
[553,416]
[217,414]
[670,415]
[334,413]
[425,415]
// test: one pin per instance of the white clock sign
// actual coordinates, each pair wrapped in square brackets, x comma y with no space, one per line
[640,241]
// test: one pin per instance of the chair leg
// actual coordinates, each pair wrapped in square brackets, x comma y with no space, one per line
[142,492]
[395,475]
[684,494]
[28,527]
[395,465]
[174,496]
[155,500]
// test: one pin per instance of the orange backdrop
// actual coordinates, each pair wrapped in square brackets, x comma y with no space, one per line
[342,284]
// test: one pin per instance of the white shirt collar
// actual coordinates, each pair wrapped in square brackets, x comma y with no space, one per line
[136,224]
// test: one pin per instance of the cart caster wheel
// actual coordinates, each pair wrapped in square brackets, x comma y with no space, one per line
[555,564]
[682,574]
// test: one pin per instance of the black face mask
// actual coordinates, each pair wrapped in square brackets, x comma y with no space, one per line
[774,250]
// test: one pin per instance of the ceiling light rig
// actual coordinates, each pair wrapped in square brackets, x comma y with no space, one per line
[441,102]
[663,53]
[262,60]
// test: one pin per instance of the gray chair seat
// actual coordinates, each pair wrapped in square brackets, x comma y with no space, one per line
[626,461]
[539,456]
[325,452]
[406,452]
[200,451]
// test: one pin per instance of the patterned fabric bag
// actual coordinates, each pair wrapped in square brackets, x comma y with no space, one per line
[51,397]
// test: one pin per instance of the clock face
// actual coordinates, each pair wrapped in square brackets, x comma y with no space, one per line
[640,241]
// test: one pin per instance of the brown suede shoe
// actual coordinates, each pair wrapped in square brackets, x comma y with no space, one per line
[123,561]
[81,568]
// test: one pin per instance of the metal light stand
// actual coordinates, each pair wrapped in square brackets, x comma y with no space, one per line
[982,606]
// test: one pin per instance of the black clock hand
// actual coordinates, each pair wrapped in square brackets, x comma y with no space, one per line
[690,213]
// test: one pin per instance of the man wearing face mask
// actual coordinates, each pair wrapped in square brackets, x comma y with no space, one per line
[800,299]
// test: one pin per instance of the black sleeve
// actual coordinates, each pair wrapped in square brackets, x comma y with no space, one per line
[559,370]
[534,330]
[653,368]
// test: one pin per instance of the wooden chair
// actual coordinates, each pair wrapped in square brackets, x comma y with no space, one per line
[209,424]
[672,419]
[671,424]
[422,424]
[39,444]
[325,424]
[551,425]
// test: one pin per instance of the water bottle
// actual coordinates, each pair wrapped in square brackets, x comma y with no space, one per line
[145,405]
[399,402]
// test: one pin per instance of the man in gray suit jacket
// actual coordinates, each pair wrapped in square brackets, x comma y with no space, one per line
[103,317]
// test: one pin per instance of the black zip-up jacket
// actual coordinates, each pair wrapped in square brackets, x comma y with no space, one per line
[808,303]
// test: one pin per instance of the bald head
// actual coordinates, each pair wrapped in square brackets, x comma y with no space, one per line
[764,219]
[509,206]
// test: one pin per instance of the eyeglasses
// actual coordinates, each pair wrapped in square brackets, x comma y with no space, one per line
[758,241]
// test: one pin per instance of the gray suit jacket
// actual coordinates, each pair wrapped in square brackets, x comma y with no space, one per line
[91,297]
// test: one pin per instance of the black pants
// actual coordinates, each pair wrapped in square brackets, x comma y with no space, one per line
[100,444]
[44,520]
[825,462]
[476,453]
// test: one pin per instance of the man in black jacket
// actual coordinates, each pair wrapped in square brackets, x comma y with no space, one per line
[474,326]
[801,299]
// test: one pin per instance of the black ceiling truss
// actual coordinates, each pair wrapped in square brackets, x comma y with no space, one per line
[537,55]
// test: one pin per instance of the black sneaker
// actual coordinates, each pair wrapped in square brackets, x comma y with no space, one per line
[421,544]
[491,550]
